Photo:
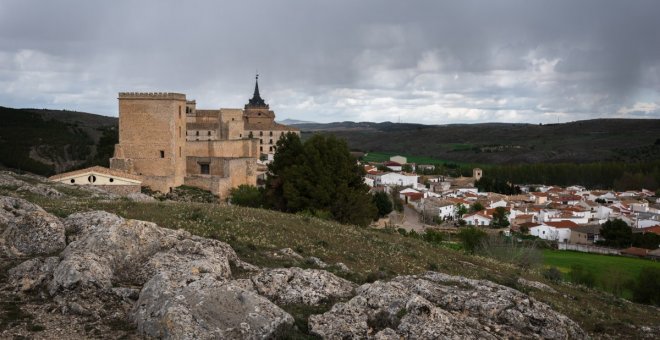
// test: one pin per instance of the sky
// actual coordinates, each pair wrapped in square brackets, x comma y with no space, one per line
[429,62]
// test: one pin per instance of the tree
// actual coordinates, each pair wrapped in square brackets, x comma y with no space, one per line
[616,233]
[318,176]
[382,202]
[460,210]
[246,195]
[471,238]
[407,168]
[500,219]
[476,206]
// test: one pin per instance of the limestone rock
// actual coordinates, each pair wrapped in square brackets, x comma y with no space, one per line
[29,230]
[316,262]
[41,190]
[436,305]
[7,179]
[32,273]
[140,197]
[536,285]
[207,309]
[298,286]
[290,253]
[108,249]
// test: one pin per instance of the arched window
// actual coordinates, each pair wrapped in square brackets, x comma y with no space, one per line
[209,133]
[261,133]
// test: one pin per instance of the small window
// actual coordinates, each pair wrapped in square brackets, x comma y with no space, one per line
[179,132]
[197,133]
[179,151]
[261,133]
[179,111]
[232,119]
[204,169]
[261,148]
[162,153]
[271,141]
[271,133]
[240,135]
[209,133]
[73,181]
[270,148]
[91,179]
[111,180]
[261,141]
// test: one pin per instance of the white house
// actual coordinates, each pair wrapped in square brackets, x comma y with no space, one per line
[545,232]
[108,179]
[446,210]
[392,178]
[477,219]
[399,159]
[500,203]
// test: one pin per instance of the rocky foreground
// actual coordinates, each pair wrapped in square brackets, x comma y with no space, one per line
[170,284]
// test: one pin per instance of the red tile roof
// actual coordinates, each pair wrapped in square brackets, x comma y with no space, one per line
[635,251]
[563,224]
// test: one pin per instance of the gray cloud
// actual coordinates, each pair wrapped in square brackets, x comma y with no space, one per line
[419,61]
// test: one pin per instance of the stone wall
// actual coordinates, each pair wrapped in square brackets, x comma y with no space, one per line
[222,148]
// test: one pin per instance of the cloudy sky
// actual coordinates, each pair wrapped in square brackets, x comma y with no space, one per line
[432,62]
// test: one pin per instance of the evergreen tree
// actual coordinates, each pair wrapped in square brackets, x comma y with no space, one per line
[319,176]
[616,233]
[382,202]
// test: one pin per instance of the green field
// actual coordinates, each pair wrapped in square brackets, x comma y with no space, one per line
[604,267]
[385,156]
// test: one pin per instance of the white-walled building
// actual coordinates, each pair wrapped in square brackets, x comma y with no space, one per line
[392,178]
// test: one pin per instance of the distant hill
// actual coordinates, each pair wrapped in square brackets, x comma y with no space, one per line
[294,122]
[46,142]
[575,142]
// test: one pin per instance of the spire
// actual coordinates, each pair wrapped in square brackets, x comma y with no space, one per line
[256,100]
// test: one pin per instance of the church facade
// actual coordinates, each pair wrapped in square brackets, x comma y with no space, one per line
[168,142]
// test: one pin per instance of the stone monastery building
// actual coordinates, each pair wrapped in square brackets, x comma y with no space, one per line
[165,141]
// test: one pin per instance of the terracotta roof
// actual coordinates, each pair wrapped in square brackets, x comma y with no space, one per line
[654,229]
[635,251]
[529,224]
[563,224]
[414,196]
[97,169]
[391,163]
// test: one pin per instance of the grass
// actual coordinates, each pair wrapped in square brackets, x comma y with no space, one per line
[602,266]
[370,254]
[385,156]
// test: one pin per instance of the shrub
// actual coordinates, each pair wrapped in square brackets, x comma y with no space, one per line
[432,236]
[525,255]
[471,238]
[552,274]
[647,287]
[582,276]
[246,196]
[382,202]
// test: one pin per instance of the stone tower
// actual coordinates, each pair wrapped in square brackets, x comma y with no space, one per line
[152,137]
[477,174]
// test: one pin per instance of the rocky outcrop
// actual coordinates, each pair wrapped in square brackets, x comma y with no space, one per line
[173,285]
[436,305]
[28,229]
[297,286]
[207,309]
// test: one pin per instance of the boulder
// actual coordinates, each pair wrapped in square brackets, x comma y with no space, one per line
[28,229]
[206,309]
[32,273]
[436,305]
[301,286]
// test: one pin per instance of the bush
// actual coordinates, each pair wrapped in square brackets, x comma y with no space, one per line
[525,255]
[471,238]
[582,276]
[246,195]
[552,274]
[647,287]
[382,202]
[432,236]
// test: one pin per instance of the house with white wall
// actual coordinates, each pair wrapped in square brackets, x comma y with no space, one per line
[477,219]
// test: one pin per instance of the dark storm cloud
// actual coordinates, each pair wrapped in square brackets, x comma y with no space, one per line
[423,61]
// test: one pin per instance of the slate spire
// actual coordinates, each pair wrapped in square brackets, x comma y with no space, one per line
[256,98]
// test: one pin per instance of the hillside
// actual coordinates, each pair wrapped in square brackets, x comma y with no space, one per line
[46,142]
[257,237]
[575,142]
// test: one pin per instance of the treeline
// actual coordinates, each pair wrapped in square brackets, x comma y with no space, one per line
[602,175]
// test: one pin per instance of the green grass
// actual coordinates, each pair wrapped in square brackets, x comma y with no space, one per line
[602,266]
[385,156]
